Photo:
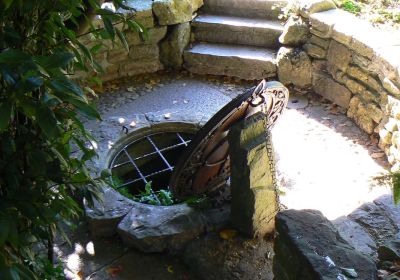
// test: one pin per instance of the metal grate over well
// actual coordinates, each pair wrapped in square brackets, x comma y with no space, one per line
[149,158]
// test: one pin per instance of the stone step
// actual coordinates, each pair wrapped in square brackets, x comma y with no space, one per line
[237,30]
[246,8]
[245,62]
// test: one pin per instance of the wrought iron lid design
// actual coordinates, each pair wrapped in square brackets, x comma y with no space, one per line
[204,166]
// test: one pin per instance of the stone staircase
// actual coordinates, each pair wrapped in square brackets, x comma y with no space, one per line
[235,38]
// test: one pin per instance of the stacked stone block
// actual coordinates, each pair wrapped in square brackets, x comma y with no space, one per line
[168,29]
[355,66]
[254,201]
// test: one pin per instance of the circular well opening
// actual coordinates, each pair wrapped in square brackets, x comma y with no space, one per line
[149,155]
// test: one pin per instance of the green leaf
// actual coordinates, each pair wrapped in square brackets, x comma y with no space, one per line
[47,121]
[7,3]
[37,160]
[147,188]
[138,27]
[95,49]
[396,187]
[56,60]
[109,26]
[25,273]
[65,85]
[12,56]
[4,229]
[85,109]
[122,38]
[85,52]
[5,114]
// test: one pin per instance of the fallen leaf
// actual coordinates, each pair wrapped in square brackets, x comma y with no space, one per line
[80,274]
[113,271]
[227,234]
[170,269]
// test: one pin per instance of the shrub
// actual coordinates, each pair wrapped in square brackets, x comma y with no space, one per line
[44,146]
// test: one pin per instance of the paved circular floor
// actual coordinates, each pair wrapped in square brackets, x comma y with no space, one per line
[324,162]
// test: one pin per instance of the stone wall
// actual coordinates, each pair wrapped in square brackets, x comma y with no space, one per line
[351,63]
[168,29]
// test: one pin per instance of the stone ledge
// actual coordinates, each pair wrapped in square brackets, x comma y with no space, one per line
[308,246]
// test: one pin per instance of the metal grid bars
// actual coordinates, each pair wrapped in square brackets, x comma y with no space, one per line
[149,158]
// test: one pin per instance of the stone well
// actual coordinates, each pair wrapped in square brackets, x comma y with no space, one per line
[147,227]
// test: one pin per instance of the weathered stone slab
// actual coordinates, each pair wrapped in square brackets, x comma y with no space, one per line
[135,67]
[319,65]
[105,216]
[339,55]
[356,236]
[391,87]
[309,247]
[157,228]
[328,88]
[386,203]
[375,112]
[240,61]
[375,221]
[359,112]
[322,23]
[364,77]
[294,67]
[141,52]
[237,30]
[363,62]
[170,12]
[295,32]
[354,86]
[315,51]
[270,9]
[154,36]
[390,250]
[172,46]
[254,201]
[309,7]
[320,42]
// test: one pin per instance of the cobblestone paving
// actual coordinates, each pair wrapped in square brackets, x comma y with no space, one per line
[325,162]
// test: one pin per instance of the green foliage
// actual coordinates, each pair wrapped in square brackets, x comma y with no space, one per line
[393,180]
[376,11]
[44,146]
[350,6]
[159,198]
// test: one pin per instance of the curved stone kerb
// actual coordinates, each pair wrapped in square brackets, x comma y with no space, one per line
[146,227]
